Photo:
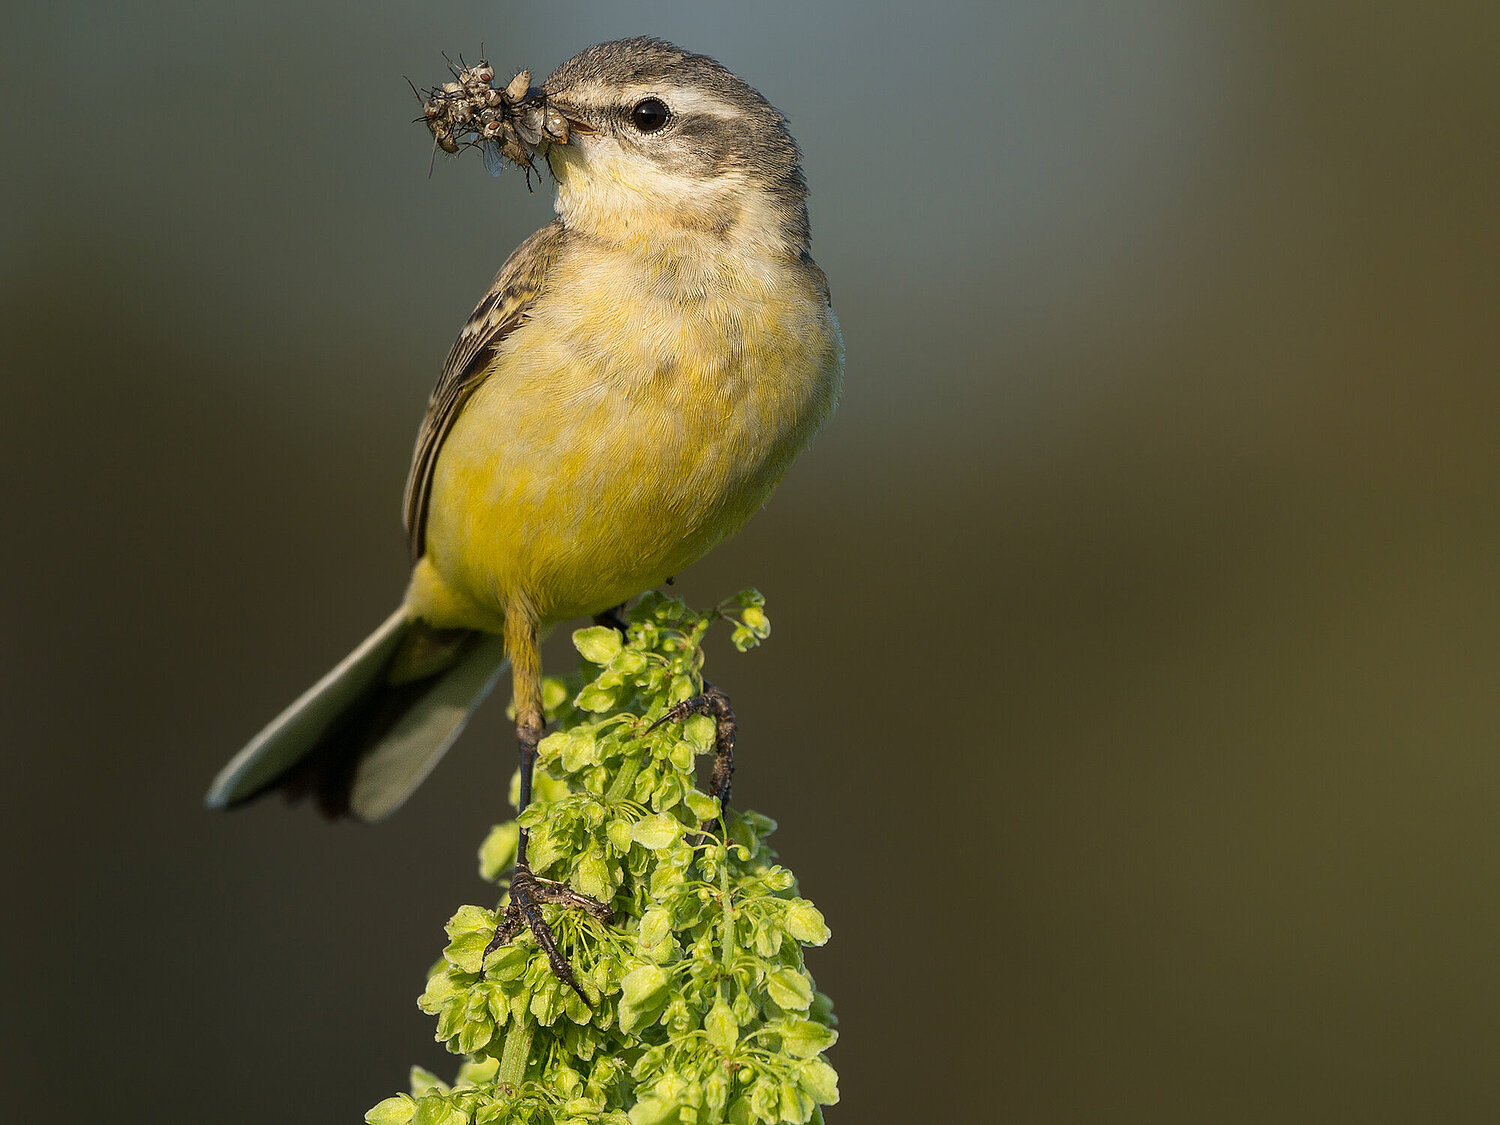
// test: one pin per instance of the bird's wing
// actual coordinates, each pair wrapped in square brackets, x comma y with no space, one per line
[503,310]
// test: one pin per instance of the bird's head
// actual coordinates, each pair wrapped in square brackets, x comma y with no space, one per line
[663,141]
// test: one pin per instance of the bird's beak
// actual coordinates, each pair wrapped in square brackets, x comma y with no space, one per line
[562,122]
[539,121]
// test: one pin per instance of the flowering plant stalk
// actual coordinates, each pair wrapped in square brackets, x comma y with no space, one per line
[700,1009]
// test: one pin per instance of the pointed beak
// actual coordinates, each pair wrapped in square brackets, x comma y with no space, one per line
[560,122]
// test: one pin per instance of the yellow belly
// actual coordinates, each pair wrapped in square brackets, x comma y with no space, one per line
[621,432]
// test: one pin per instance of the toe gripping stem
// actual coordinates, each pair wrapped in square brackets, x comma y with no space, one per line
[713,702]
[527,893]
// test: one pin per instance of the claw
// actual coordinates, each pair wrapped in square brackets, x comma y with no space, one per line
[713,702]
[527,892]
[560,894]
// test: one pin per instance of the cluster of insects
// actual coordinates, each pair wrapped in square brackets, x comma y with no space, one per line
[503,122]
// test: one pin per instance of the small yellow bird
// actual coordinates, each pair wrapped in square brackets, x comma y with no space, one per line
[632,387]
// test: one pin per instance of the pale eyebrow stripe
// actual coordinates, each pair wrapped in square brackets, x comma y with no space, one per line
[681,100]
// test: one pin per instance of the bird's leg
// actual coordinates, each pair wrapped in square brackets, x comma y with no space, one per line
[527,892]
[714,702]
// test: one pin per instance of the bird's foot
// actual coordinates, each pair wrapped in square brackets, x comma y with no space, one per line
[715,703]
[527,894]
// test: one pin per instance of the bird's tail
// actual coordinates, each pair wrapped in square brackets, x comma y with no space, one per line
[364,737]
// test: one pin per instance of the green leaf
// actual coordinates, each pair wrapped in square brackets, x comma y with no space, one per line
[756,619]
[432,1110]
[716,1092]
[450,1020]
[597,699]
[678,1017]
[423,1081]
[804,921]
[649,1063]
[632,1019]
[681,756]
[392,1111]
[469,919]
[668,791]
[575,1009]
[466,952]
[619,835]
[592,877]
[819,1079]
[547,1002]
[804,1038]
[498,852]
[499,1007]
[574,749]
[701,804]
[440,989]
[508,962]
[796,1106]
[475,1034]
[700,732]
[765,1098]
[554,694]
[822,1009]
[745,1008]
[598,644]
[652,1110]
[768,941]
[656,928]
[722,1028]
[546,849]
[656,831]
[477,1072]
[629,663]
[643,985]
[778,879]
[790,989]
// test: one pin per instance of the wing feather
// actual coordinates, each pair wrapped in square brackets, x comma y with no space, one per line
[502,310]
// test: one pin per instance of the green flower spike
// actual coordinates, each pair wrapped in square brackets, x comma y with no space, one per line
[701,1010]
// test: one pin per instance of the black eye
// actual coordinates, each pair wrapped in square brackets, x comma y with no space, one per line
[649,115]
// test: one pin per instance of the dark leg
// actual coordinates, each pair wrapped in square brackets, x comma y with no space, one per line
[527,892]
[713,701]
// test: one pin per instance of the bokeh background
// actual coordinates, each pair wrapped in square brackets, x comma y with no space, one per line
[1132,705]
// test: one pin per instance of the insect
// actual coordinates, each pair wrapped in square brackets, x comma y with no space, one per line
[505,123]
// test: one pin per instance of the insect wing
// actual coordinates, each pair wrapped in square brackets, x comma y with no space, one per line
[494,161]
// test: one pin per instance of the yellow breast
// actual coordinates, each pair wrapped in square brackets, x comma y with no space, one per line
[644,412]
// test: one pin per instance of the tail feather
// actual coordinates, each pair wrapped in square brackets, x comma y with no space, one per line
[365,736]
[391,767]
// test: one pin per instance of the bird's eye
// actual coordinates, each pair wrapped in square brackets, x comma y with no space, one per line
[649,115]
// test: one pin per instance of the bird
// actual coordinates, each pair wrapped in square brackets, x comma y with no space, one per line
[635,383]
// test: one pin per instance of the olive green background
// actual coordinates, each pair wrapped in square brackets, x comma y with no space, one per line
[1131,708]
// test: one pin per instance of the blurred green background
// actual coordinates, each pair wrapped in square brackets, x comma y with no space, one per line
[1132,705]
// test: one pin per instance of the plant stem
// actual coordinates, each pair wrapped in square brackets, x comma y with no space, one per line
[515,1053]
[624,780]
[726,954]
